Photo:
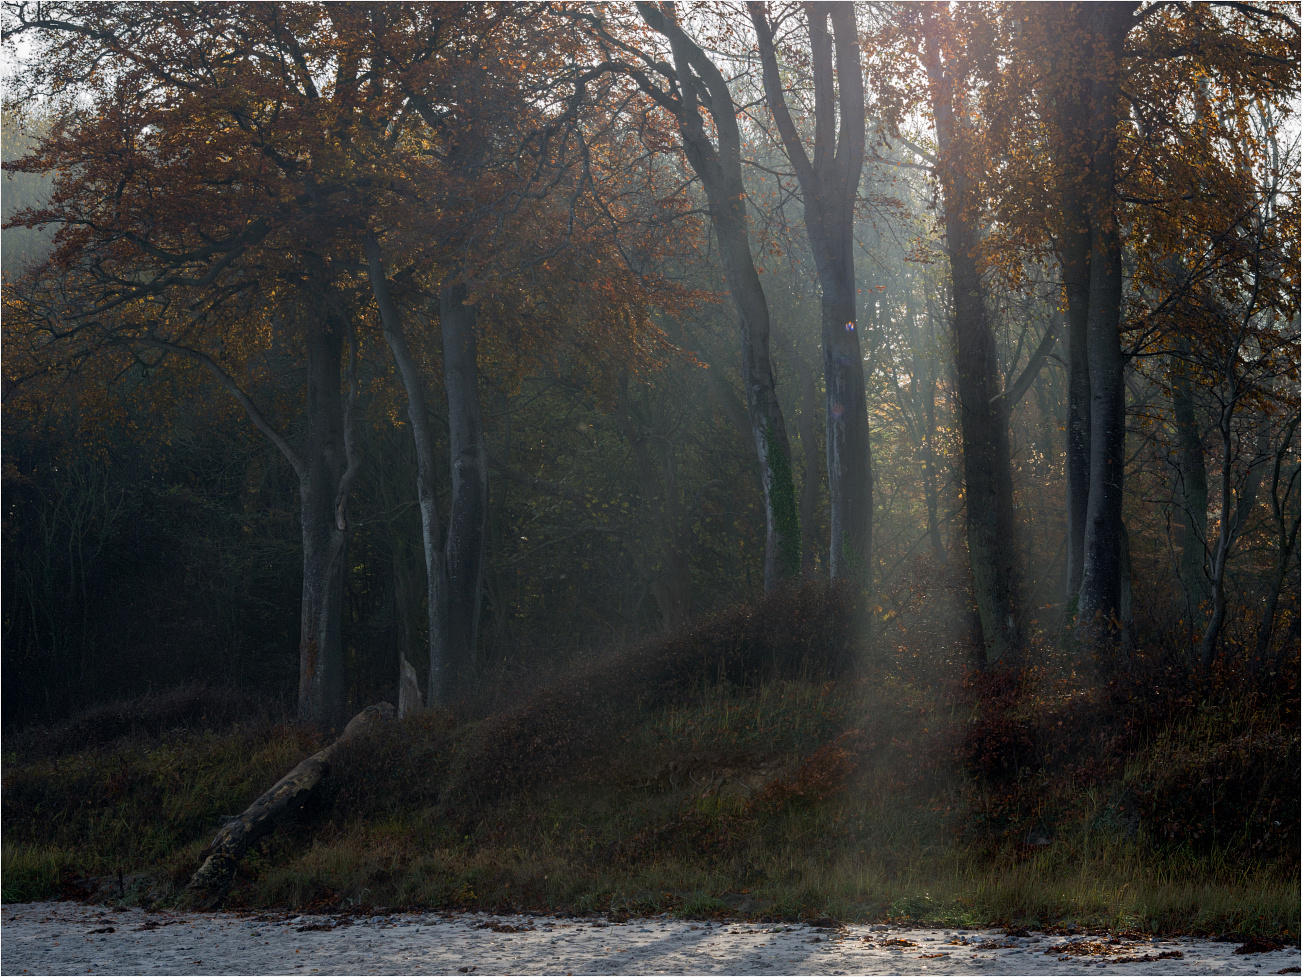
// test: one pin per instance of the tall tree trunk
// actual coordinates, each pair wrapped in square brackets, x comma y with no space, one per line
[805,423]
[1076,276]
[439,687]
[829,185]
[323,500]
[326,468]
[1068,104]
[929,480]
[468,521]
[1191,496]
[987,466]
[700,85]
[930,476]
[1100,595]
[1101,577]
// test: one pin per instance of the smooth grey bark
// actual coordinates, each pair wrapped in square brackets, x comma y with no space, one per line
[1100,600]
[829,187]
[1068,106]
[464,554]
[440,685]
[329,466]
[987,465]
[696,83]
[1190,496]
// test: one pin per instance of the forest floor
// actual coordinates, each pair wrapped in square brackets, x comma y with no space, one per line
[770,764]
[65,938]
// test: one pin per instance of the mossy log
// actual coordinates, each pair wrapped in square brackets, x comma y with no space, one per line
[213,880]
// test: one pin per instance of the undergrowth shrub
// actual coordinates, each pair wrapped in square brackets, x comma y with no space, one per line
[185,709]
[392,767]
[1144,741]
[800,632]
[821,775]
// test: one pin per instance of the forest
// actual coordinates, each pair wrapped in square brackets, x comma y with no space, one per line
[802,409]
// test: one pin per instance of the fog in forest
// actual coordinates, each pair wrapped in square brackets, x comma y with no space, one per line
[447,354]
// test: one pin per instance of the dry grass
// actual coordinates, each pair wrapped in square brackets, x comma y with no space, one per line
[739,766]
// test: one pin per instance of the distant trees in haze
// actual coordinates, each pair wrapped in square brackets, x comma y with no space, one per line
[464,267]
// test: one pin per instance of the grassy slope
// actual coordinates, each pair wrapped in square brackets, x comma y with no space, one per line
[739,766]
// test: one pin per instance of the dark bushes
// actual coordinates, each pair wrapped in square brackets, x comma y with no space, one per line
[187,709]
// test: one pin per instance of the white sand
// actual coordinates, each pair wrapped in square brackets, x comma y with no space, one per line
[62,938]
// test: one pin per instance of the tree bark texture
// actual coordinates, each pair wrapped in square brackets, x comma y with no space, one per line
[1069,107]
[805,424]
[324,527]
[1076,273]
[467,523]
[1101,576]
[439,687]
[829,186]
[987,467]
[700,84]
[213,879]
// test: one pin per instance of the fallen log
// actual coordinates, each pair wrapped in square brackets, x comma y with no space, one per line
[213,880]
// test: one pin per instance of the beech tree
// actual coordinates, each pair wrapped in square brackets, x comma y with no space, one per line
[1109,74]
[203,159]
[829,187]
[215,188]
[694,93]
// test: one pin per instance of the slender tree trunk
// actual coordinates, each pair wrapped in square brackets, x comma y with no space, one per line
[987,466]
[1068,103]
[849,458]
[768,430]
[325,535]
[439,687]
[1101,577]
[929,480]
[1234,517]
[468,522]
[1220,555]
[829,186]
[1283,565]
[930,475]
[1100,596]
[1191,497]
[700,85]
[1287,538]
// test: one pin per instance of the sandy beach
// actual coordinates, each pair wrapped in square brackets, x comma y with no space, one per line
[70,938]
